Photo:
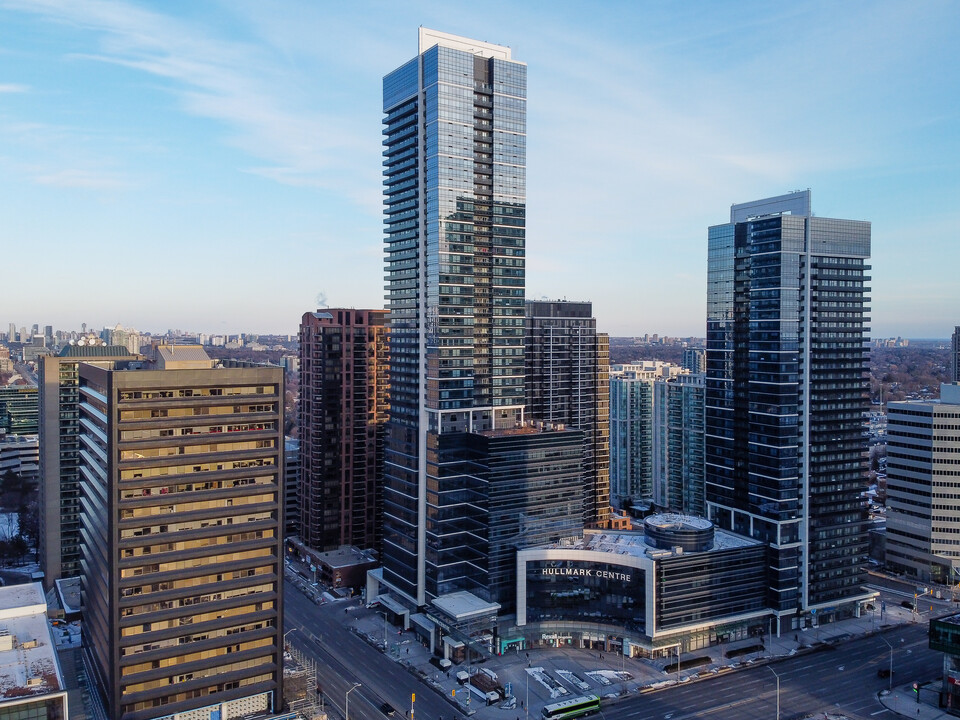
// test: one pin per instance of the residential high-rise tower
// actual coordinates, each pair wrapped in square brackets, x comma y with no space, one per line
[568,382]
[455,197]
[786,393]
[343,412]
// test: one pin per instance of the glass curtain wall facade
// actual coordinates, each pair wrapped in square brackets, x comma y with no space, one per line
[568,382]
[455,194]
[786,395]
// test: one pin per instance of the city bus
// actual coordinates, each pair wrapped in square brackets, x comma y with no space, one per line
[585,705]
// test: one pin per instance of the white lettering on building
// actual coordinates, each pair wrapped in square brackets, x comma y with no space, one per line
[586,572]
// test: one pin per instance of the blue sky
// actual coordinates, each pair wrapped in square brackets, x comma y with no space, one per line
[216,165]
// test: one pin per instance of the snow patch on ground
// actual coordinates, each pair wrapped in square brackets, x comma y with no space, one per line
[573,679]
[543,677]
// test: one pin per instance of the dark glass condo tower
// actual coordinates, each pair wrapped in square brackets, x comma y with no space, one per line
[786,393]
[454,177]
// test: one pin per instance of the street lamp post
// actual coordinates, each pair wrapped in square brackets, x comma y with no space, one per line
[890,686]
[527,705]
[346,702]
[778,689]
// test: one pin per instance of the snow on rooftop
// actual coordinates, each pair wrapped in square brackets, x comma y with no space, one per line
[28,664]
[464,604]
[635,543]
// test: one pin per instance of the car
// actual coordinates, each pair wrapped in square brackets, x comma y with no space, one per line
[388,709]
[884,673]
[907,604]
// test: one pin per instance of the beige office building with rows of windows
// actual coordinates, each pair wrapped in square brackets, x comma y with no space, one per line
[181,523]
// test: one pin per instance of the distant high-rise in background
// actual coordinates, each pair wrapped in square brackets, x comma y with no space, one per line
[567,381]
[923,512]
[695,360]
[656,437]
[955,355]
[678,434]
[182,567]
[786,394]
[291,487]
[455,196]
[19,410]
[344,400]
[60,456]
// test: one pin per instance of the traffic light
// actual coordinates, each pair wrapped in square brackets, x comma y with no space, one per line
[916,689]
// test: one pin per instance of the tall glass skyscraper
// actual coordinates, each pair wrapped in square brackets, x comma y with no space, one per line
[454,176]
[786,393]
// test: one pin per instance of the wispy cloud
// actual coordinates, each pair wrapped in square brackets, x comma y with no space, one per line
[13,88]
[87,179]
[248,87]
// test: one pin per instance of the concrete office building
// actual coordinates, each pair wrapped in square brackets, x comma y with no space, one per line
[455,176]
[568,382]
[344,400]
[59,429]
[181,525]
[786,394]
[923,487]
[20,455]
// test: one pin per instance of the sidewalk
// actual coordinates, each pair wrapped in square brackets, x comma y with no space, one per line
[903,701]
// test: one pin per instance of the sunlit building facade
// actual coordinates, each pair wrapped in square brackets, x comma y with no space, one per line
[181,527]
[455,203]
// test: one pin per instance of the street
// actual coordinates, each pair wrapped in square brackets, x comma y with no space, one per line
[841,680]
[344,659]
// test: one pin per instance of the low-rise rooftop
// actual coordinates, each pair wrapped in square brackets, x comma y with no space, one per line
[28,662]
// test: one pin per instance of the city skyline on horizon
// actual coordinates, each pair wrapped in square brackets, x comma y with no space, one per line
[162,138]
